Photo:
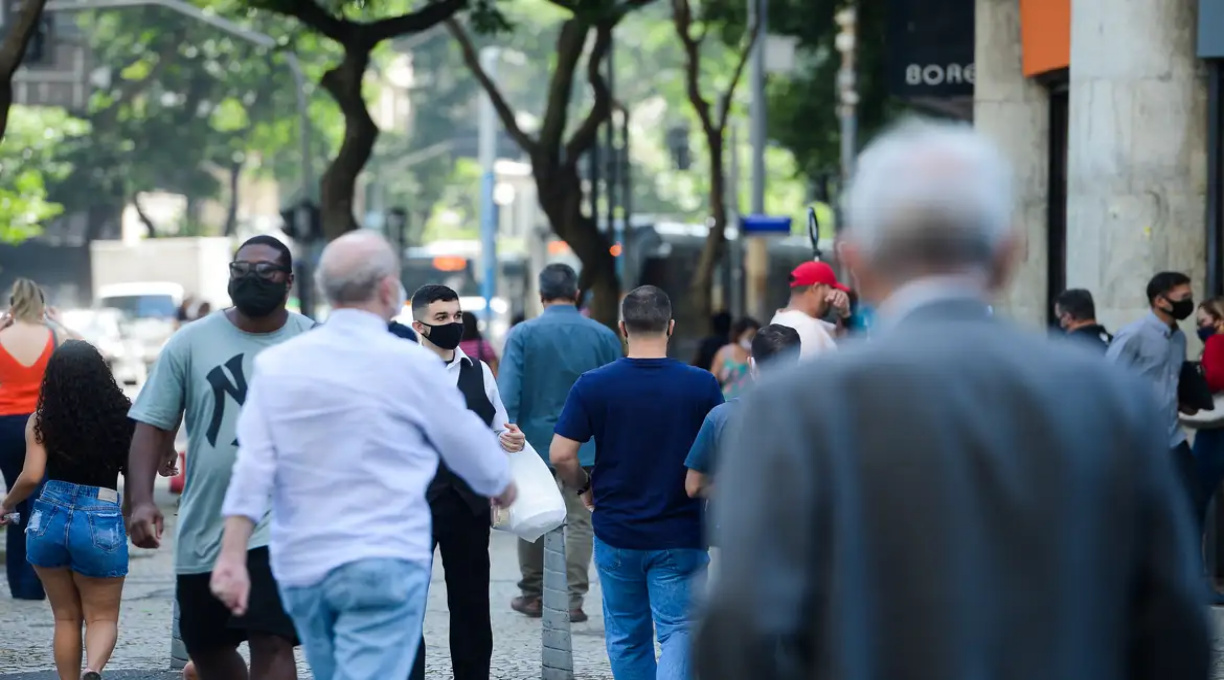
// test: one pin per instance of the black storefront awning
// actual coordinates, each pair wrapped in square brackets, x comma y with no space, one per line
[930,48]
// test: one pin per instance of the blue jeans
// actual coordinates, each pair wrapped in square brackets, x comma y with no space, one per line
[363,620]
[1209,461]
[645,587]
[23,582]
[78,527]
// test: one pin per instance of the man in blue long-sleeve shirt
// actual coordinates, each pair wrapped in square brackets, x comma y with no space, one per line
[543,359]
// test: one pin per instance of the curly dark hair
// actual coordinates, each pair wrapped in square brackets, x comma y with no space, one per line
[82,411]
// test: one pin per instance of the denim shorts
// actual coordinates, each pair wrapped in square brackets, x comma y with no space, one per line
[78,527]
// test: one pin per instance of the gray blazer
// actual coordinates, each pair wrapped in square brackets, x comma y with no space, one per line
[956,499]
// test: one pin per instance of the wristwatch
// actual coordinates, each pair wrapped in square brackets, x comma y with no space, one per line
[586,486]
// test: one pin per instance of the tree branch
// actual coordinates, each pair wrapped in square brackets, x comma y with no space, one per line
[414,22]
[570,42]
[314,16]
[584,137]
[13,50]
[724,102]
[504,112]
[682,16]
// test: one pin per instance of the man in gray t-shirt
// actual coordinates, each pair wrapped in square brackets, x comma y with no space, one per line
[201,379]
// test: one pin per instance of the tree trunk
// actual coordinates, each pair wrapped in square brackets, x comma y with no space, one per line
[18,30]
[340,180]
[231,213]
[701,287]
[560,195]
[150,228]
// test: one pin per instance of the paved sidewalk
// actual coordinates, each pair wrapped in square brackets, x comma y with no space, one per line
[143,651]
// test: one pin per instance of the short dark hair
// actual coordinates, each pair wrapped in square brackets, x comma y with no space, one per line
[646,309]
[558,282]
[775,342]
[743,326]
[428,294]
[285,257]
[1076,302]
[1164,282]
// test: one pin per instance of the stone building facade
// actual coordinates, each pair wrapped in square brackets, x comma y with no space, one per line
[1111,113]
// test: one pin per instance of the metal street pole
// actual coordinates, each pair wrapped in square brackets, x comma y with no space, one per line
[847,90]
[756,262]
[309,186]
[487,148]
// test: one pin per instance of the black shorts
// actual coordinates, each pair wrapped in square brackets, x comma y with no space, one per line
[207,626]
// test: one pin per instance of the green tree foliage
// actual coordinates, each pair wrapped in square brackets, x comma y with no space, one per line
[803,105]
[31,156]
[357,28]
[181,104]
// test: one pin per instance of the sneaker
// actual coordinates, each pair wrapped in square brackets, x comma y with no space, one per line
[91,675]
[528,606]
[577,615]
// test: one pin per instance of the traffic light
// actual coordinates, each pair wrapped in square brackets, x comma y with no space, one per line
[677,140]
[302,222]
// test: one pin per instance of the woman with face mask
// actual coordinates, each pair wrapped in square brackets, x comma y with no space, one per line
[1209,441]
[730,364]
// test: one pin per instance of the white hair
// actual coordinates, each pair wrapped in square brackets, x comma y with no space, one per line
[932,195]
[352,267]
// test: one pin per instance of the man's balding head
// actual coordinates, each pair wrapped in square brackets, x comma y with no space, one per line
[360,270]
[929,198]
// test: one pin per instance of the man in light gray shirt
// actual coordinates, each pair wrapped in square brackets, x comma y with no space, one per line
[1155,348]
[342,430]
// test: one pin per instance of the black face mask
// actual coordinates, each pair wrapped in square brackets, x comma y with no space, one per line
[1181,309]
[445,335]
[257,297]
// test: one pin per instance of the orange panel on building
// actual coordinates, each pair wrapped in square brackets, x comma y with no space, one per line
[1045,35]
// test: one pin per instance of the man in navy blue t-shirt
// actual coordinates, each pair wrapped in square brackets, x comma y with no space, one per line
[644,411]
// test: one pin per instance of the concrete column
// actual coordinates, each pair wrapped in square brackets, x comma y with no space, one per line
[556,643]
[1137,157]
[1014,111]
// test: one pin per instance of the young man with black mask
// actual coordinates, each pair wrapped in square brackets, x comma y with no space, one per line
[1076,314]
[1155,348]
[461,517]
[203,373]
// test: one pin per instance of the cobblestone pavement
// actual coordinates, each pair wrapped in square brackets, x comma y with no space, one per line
[143,651]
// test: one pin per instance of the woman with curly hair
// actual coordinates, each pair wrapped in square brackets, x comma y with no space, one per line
[77,439]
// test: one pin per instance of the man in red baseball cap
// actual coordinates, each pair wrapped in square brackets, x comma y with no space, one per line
[814,289]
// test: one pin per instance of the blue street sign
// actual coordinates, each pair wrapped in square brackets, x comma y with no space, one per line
[765,224]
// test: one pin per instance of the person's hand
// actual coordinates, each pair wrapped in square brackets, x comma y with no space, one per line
[506,498]
[231,583]
[169,466]
[588,500]
[5,511]
[146,526]
[1188,410]
[840,301]
[513,439]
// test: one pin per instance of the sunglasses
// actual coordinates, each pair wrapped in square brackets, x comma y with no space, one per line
[264,270]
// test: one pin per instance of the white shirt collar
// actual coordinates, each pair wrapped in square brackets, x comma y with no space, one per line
[923,291]
[457,361]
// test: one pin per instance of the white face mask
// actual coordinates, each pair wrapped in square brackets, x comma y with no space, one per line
[746,344]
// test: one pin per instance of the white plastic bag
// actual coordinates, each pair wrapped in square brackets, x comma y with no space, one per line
[539,507]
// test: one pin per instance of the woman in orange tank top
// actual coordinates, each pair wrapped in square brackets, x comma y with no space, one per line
[27,341]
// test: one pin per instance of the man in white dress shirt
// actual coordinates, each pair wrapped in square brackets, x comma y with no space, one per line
[342,429]
[460,514]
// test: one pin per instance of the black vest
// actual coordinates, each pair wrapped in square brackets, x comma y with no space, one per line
[471,385]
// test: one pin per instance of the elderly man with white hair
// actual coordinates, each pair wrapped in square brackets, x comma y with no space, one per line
[963,499]
[342,430]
